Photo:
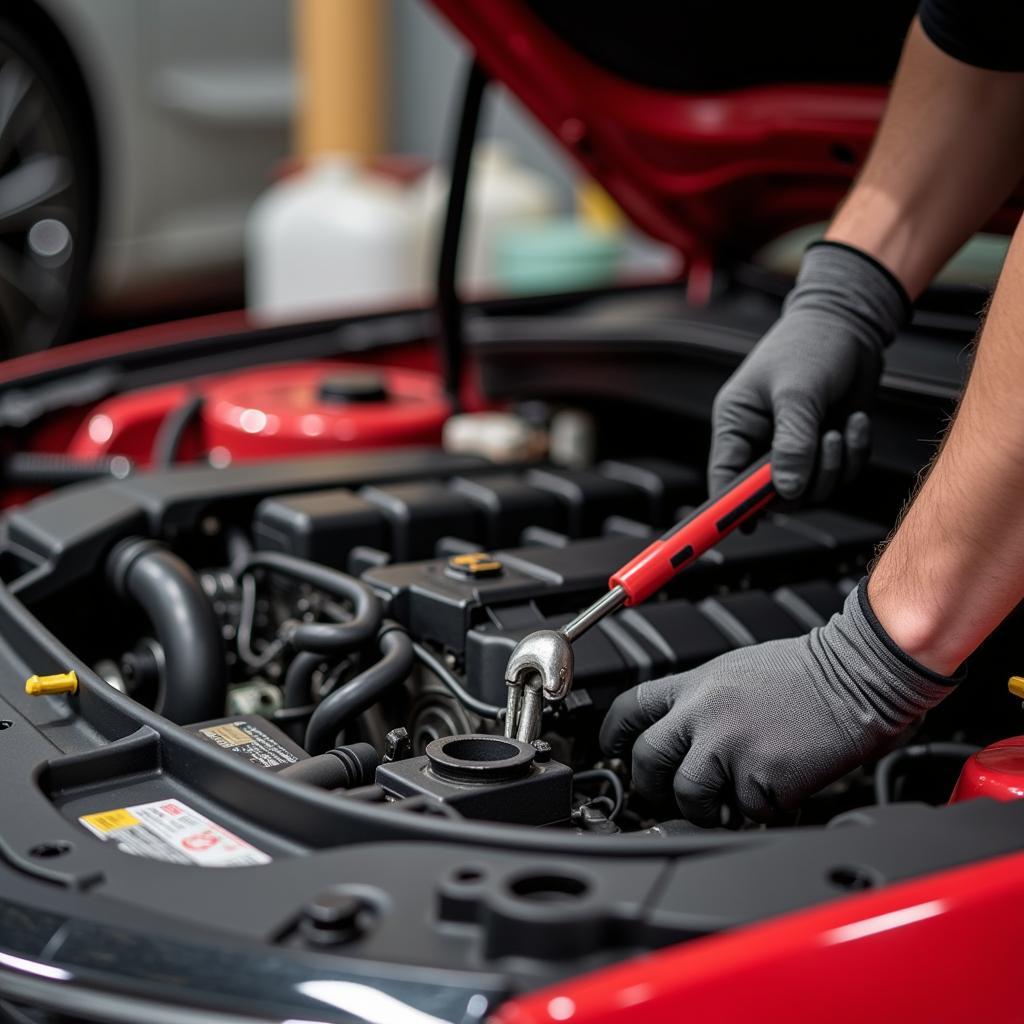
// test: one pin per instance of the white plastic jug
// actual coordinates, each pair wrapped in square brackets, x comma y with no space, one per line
[333,237]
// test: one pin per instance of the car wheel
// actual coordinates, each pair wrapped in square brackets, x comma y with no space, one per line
[46,199]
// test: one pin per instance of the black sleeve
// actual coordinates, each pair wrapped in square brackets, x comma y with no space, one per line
[986,33]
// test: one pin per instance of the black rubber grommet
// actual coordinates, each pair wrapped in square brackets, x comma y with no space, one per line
[479,758]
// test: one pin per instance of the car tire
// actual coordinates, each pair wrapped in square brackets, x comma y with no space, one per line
[47,195]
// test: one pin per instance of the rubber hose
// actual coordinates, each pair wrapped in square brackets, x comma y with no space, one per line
[886,767]
[327,638]
[604,775]
[447,679]
[341,768]
[185,624]
[349,701]
[172,430]
[298,678]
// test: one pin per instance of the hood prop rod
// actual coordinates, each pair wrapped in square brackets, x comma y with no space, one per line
[449,305]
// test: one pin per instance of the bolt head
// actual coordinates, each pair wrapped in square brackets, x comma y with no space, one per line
[334,909]
[333,918]
[397,745]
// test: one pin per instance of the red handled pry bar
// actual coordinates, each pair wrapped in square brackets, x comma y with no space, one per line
[541,665]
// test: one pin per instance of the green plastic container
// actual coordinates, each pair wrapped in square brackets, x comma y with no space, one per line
[555,256]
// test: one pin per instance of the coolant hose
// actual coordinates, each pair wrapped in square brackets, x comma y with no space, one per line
[885,770]
[185,624]
[298,678]
[340,708]
[326,638]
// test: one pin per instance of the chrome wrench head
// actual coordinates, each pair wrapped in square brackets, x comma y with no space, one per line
[540,668]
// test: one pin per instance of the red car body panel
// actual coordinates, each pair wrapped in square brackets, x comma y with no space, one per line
[710,173]
[941,949]
[109,346]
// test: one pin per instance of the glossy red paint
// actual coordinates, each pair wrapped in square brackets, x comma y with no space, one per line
[169,333]
[280,410]
[127,425]
[941,949]
[997,771]
[707,173]
[270,412]
[109,346]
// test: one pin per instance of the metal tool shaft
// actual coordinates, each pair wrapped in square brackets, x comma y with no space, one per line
[610,602]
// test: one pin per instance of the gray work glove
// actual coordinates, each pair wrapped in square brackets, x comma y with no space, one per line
[822,358]
[760,728]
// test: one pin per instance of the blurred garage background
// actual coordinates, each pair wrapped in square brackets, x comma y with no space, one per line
[136,135]
[168,158]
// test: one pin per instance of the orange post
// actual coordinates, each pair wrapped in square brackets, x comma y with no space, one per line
[339,48]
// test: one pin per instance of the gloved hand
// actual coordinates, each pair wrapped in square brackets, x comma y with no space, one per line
[761,728]
[823,355]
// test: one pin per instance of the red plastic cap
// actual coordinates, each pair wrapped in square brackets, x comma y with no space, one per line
[996,772]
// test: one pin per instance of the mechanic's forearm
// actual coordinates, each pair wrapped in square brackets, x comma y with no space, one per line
[949,150]
[955,567]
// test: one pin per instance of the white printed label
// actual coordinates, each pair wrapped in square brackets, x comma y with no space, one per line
[173,831]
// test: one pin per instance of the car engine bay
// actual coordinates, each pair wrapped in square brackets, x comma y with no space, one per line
[264,584]
[297,666]
[385,613]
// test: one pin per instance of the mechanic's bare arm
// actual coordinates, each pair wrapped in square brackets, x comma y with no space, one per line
[955,566]
[949,150]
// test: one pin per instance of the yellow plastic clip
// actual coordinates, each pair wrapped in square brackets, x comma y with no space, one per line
[475,563]
[1015,685]
[62,682]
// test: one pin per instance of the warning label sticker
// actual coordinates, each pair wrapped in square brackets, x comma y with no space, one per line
[173,831]
[250,742]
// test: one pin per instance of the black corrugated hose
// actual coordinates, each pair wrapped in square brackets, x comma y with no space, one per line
[53,469]
[886,767]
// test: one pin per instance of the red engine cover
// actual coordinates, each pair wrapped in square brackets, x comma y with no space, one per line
[317,407]
[275,411]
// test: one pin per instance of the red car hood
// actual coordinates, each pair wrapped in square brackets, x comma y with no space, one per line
[715,130]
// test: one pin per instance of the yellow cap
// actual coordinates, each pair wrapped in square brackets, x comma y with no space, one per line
[1016,686]
[475,564]
[62,682]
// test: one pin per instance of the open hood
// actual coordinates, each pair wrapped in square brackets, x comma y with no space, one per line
[715,127]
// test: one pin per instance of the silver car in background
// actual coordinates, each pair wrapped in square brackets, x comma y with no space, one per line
[134,135]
